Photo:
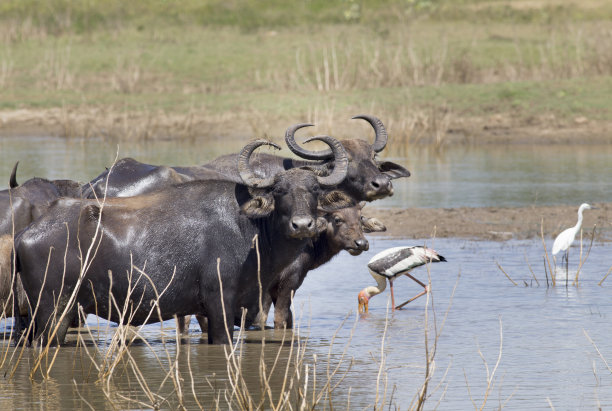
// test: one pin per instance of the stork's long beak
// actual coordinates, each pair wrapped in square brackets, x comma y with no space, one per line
[363,307]
[363,303]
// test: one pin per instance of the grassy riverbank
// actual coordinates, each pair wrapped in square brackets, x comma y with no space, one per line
[434,71]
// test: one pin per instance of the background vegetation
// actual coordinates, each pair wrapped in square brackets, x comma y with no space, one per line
[192,67]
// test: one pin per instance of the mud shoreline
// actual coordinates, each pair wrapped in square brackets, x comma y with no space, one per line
[498,128]
[492,223]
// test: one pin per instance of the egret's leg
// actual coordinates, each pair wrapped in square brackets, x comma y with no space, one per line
[392,297]
[566,266]
[422,293]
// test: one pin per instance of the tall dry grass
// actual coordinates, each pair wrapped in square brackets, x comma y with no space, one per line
[400,60]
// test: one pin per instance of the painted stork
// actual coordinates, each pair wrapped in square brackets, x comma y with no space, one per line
[392,263]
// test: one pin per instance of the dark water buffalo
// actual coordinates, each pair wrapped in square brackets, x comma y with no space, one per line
[18,204]
[344,231]
[367,179]
[202,231]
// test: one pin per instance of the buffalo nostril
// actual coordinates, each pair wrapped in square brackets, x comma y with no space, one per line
[301,223]
[381,183]
[361,243]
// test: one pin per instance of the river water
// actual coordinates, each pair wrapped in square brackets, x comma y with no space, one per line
[552,343]
[490,175]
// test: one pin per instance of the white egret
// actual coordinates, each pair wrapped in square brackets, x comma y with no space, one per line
[567,237]
[392,263]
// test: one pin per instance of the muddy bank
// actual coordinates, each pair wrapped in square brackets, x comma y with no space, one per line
[492,223]
[498,128]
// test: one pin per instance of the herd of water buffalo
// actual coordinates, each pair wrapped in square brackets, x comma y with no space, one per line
[143,243]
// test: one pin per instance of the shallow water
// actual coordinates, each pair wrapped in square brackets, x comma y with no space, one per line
[546,357]
[545,353]
[490,175]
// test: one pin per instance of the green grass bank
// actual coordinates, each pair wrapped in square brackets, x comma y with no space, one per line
[436,72]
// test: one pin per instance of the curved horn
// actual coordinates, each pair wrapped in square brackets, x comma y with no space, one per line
[381,133]
[299,151]
[13,180]
[244,168]
[340,161]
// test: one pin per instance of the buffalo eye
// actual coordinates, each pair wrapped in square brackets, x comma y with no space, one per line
[337,220]
[280,191]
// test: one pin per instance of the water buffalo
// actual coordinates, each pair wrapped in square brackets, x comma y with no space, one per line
[182,250]
[344,231]
[367,179]
[19,203]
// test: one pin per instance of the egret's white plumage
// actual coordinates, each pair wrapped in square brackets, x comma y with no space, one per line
[567,236]
[392,263]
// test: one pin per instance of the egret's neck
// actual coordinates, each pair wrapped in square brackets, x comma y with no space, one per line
[579,223]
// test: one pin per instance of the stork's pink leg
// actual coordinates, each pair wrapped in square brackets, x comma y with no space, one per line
[422,293]
[425,291]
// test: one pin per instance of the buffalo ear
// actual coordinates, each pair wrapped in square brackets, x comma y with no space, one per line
[258,207]
[92,212]
[335,200]
[393,170]
[372,225]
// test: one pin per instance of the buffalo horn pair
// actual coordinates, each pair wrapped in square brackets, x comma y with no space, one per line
[379,143]
[340,168]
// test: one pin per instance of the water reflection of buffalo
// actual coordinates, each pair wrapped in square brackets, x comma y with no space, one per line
[185,229]
[367,178]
